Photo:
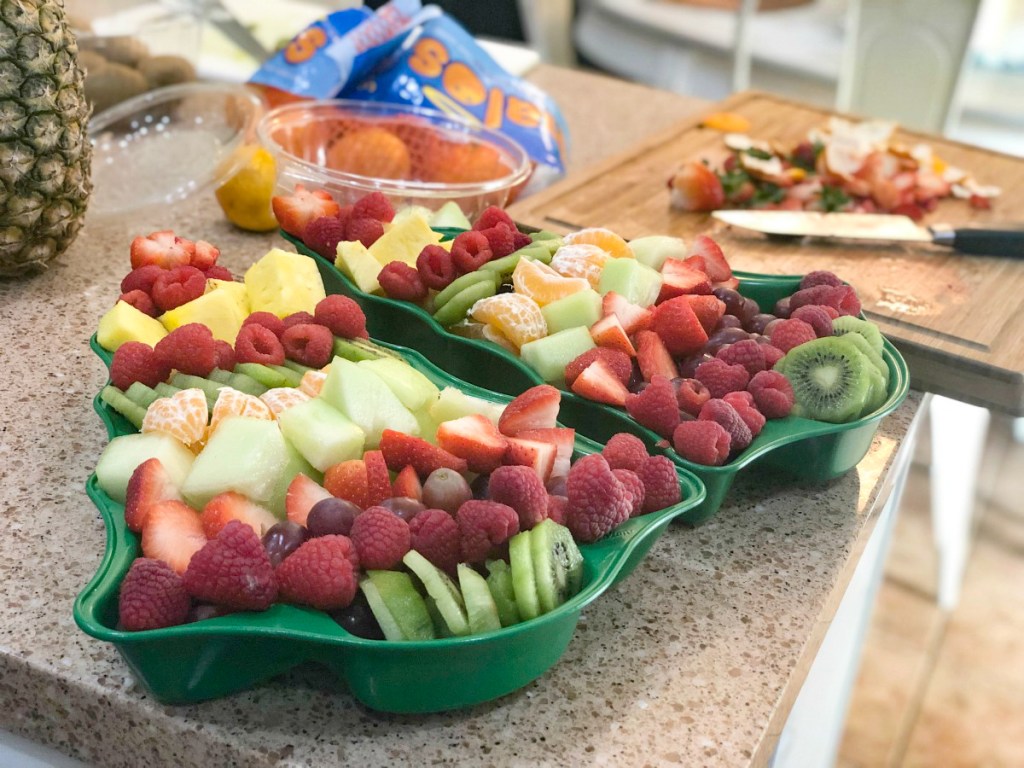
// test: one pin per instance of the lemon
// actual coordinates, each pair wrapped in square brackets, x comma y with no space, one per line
[245,197]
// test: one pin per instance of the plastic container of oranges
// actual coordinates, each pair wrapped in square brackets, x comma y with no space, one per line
[415,156]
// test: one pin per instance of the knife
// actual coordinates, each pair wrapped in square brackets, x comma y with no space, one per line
[877,226]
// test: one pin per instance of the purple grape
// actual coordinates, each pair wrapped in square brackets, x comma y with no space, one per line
[747,311]
[446,489]
[357,619]
[557,486]
[728,321]
[757,323]
[403,506]
[283,538]
[724,338]
[772,324]
[332,516]
[733,300]
[782,308]
[480,486]
[688,365]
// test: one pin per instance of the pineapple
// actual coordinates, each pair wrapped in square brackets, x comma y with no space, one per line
[44,150]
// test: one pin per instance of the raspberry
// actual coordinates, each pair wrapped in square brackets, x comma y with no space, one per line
[225,355]
[436,267]
[217,272]
[343,316]
[500,239]
[786,334]
[718,410]
[691,394]
[267,320]
[625,451]
[320,573]
[233,570]
[520,488]
[364,229]
[616,359]
[178,286]
[772,355]
[435,535]
[375,206]
[736,399]
[747,353]
[402,282]
[141,278]
[344,214]
[190,348]
[655,407]
[773,394]
[484,527]
[258,344]
[296,318]
[817,316]
[520,240]
[381,538]
[844,298]
[309,344]
[819,277]
[816,294]
[634,490]
[492,216]
[721,377]
[322,236]
[702,442]
[141,301]
[556,508]
[597,501]
[752,417]
[661,484]
[152,596]
[470,251]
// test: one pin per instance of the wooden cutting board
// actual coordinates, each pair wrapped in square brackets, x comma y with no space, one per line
[958,320]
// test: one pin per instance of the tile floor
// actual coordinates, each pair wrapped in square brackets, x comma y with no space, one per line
[948,689]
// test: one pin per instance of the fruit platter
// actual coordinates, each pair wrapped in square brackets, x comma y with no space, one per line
[280,488]
[714,369]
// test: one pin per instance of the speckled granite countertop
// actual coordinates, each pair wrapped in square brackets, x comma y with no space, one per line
[694,659]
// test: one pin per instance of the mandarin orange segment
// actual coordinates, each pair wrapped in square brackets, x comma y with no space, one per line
[580,260]
[604,239]
[726,122]
[280,399]
[231,402]
[516,317]
[313,381]
[182,416]
[537,281]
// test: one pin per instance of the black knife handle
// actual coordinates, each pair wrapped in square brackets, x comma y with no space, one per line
[987,242]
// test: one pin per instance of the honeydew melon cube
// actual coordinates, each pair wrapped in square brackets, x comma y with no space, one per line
[453,404]
[410,210]
[414,390]
[653,250]
[630,278]
[283,282]
[580,308]
[295,464]
[125,323]
[123,454]
[321,433]
[404,241]
[358,265]
[549,356]
[219,310]
[428,425]
[362,396]
[246,455]
[449,216]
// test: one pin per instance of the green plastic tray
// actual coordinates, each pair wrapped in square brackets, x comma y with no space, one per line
[802,448]
[220,656]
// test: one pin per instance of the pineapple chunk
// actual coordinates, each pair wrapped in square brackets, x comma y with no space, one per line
[220,310]
[125,323]
[404,240]
[283,283]
[356,263]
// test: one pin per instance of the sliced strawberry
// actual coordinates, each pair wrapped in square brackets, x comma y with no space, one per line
[163,249]
[732,282]
[653,356]
[678,278]
[230,505]
[536,408]
[148,485]
[599,383]
[708,309]
[532,453]
[293,212]
[302,494]
[173,533]
[378,481]
[608,332]
[564,440]
[695,187]
[707,253]
[347,480]
[205,255]
[475,439]
[408,484]
[400,449]
[633,317]
[677,325]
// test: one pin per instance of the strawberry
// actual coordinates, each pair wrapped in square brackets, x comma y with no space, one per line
[230,505]
[148,485]
[408,484]
[608,332]
[678,278]
[378,481]
[475,439]
[400,449]
[695,187]
[633,317]
[709,310]
[706,253]
[615,359]
[233,570]
[536,408]
[293,212]
[598,382]
[163,249]
[173,533]
[347,480]
[205,256]
[678,326]
[564,440]
[532,453]
[653,357]
[302,494]
[733,283]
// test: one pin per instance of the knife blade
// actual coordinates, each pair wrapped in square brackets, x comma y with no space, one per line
[880,227]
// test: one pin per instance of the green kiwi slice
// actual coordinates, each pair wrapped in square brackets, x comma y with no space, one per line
[442,589]
[830,378]
[461,283]
[398,607]
[849,324]
[499,581]
[480,607]
[557,564]
[116,399]
[246,384]
[459,305]
[524,582]
[865,347]
[140,394]
[268,377]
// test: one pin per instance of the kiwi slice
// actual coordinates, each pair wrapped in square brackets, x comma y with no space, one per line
[830,378]
[247,384]
[460,304]
[268,377]
[461,283]
[849,324]
[865,347]
[116,399]
[481,610]
[219,374]
[361,349]
[299,368]
[440,627]
[187,381]
[499,581]
[524,581]
[397,606]
[165,390]
[557,564]
[444,591]
[140,394]
[294,378]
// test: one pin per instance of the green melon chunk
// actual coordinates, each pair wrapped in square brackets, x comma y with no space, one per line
[123,454]
[449,216]
[414,390]
[452,403]
[582,308]
[654,250]
[550,355]
[362,396]
[636,281]
[322,434]
[295,464]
